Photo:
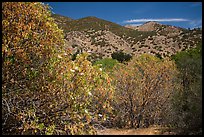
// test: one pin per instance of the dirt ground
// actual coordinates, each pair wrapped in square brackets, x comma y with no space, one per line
[153,130]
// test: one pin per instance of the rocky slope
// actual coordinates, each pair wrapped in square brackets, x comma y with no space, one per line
[101,37]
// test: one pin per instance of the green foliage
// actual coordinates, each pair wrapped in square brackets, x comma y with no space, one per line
[46,91]
[158,55]
[121,56]
[194,53]
[187,101]
[107,63]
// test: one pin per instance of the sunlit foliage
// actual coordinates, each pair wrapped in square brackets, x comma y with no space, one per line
[47,91]
[143,88]
[43,90]
[107,63]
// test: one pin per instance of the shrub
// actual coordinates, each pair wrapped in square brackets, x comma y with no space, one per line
[187,101]
[158,55]
[121,56]
[106,63]
[43,90]
[29,40]
[143,88]
[84,92]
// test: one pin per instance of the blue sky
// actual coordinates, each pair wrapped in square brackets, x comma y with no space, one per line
[181,14]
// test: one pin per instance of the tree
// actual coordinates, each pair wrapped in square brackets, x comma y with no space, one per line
[121,56]
[143,89]
[187,101]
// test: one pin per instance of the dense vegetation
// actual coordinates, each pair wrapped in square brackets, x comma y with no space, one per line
[121,56]
[43,90]
[47,90]
[187,102]
[143,88]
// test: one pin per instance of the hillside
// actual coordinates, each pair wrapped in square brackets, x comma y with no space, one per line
[61,20]
[103,37]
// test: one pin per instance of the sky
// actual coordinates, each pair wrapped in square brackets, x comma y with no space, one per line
[180,14]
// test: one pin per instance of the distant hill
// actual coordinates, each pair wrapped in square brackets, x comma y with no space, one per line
[159,28]
[103,37]
[148,26]
[97,24]
[61,20]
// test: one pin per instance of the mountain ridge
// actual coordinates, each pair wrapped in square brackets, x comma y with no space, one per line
[103,37]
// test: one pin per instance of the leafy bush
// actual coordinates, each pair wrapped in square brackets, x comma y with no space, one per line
[85,92]
[143,88]
[29,38]
[107,63]
[158,55]
[187,101]
[121,56]
[43,90]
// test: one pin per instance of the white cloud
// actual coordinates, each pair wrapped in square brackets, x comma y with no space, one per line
[134,24]
[159,20]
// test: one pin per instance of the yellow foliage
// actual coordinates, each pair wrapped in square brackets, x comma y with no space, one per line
[143,84]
